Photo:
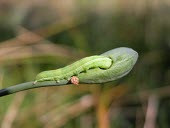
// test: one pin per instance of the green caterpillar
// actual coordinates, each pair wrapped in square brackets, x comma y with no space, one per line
[75,69]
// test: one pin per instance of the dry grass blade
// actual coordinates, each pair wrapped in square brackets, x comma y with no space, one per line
[107,98]
[60,116]
[13,110]
[151,113]
[12,49]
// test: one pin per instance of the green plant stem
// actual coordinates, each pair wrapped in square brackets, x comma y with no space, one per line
[30,85]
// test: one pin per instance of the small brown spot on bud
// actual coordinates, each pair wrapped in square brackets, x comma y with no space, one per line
[74,80]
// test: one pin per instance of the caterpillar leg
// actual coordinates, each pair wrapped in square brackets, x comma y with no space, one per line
[74,80]
[35,82]
[56,80]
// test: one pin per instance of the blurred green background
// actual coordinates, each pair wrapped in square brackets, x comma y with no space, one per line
[40,35]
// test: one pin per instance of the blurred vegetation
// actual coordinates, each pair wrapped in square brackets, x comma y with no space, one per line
[42,35]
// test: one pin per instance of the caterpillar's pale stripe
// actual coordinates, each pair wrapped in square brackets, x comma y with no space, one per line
[75,69]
